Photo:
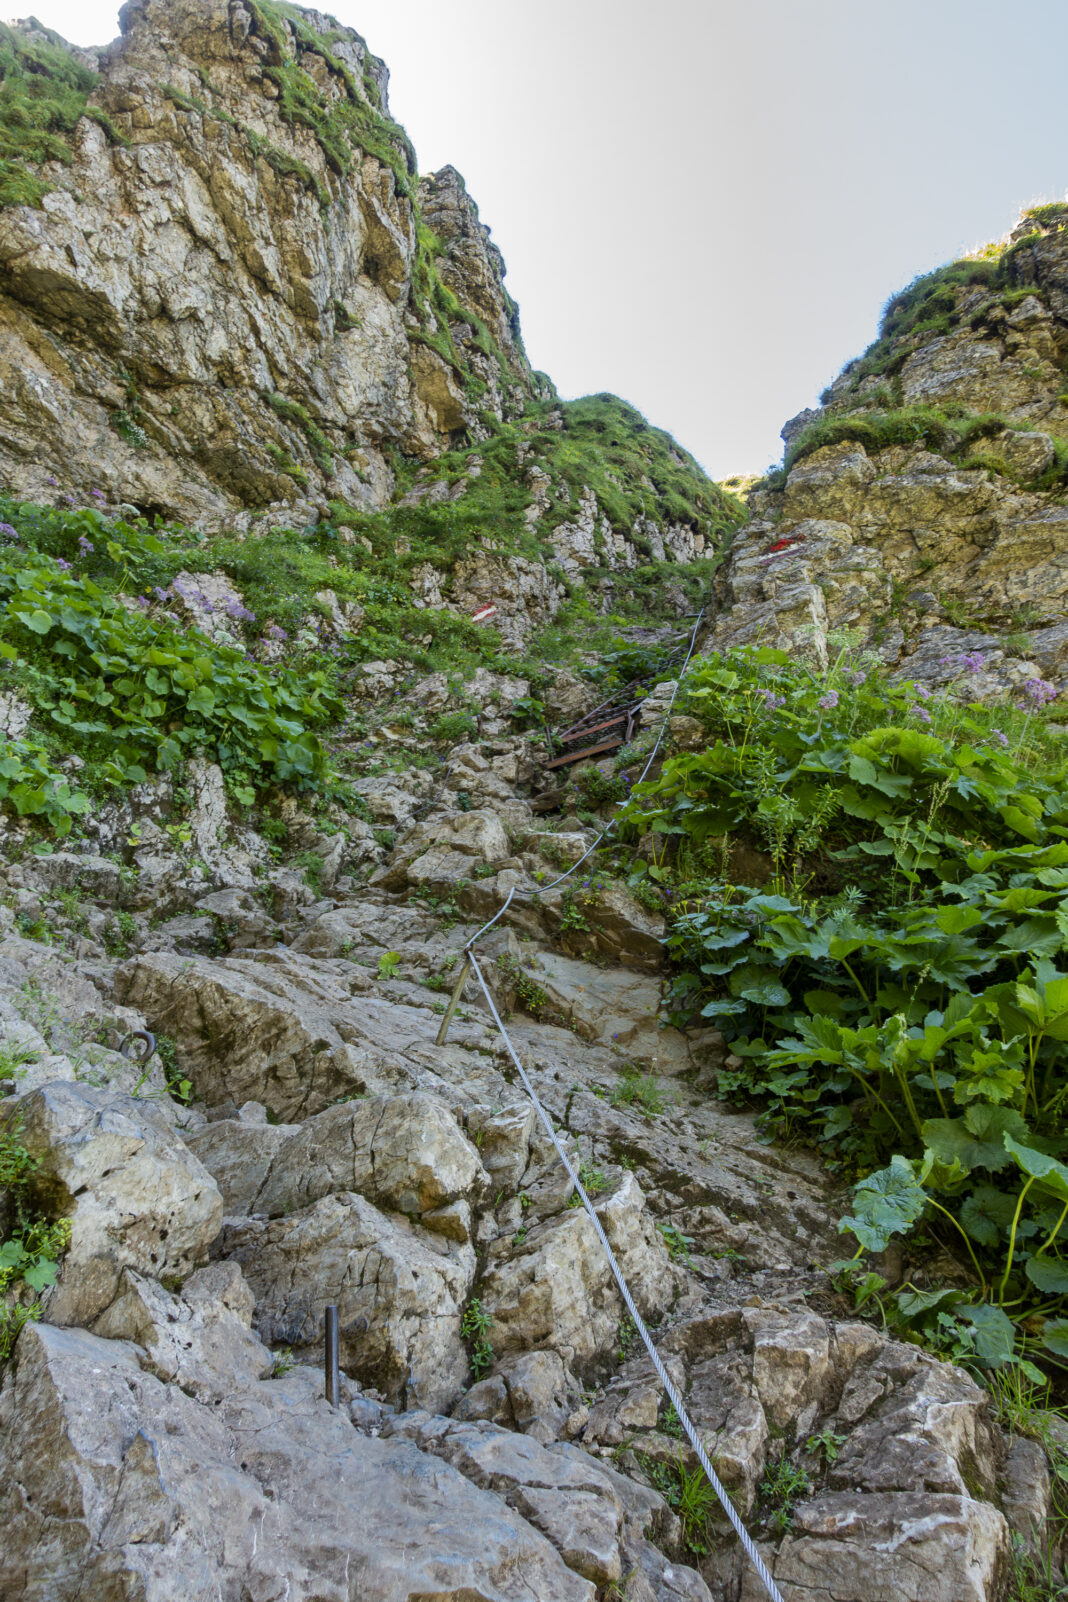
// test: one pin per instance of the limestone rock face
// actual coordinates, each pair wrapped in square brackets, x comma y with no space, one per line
[927,551]
[124,1482]
[405,1153]
[217,253]
[399,1294]
[169,1446]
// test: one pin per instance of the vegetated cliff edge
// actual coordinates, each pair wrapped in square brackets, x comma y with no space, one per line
[924,506]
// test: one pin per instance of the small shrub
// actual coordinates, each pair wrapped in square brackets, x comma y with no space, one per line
[454,726]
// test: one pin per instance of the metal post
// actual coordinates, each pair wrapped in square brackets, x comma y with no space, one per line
[333,1381]
[455,1002]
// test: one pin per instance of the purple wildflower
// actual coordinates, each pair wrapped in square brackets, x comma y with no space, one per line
[85,545]
[966,661]
[1039,691]
[239,613]
[160,594]
[773,701]
[857,677]
[921,712]
[63,566]
[143,602]
[8,531]
[922,691]
[98,495]
[828,700]
[273,632]
[70,500]
[52,480]
[1001,739]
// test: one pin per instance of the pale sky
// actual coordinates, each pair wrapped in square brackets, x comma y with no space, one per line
[703,206]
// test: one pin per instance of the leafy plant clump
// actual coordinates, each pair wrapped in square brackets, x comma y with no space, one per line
[891,974]
[474,1328]
[31,1244]
[129,689]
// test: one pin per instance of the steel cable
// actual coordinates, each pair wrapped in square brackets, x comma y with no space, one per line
[639,1323]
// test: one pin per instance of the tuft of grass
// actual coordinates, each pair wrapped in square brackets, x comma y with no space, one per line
[640,1091]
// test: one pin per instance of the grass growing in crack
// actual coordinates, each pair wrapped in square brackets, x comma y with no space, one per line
[639,1091]
[781,1486]
[689,1494]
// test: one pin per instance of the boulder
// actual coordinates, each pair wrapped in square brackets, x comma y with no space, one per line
[200,1340]
[238,1041]
[638,1247]
[399,1293]
[237,1154]
[569,1499]
[503,1139]
[405,1153]
[907,1546]
[554,1290]
[135,1194]
[529,1391]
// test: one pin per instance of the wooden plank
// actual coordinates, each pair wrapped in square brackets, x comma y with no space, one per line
[577,730]
[589,750]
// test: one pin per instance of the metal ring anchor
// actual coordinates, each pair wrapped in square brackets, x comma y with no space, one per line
[143,1035]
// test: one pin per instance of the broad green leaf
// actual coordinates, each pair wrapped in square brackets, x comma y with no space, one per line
[12,1254]
[38,621]
[1051,1174]
[914,1305]
[886,1203]
[1055,1336]
[995,1332]
[943,1178]
[202,699]
[759,985]
[978,1139]
[957,920]
[722,1007]
[987,1214]
[40,1274]
[1048,1275]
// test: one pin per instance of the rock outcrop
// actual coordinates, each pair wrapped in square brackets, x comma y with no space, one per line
[223,299]
[922,509]
[228,299]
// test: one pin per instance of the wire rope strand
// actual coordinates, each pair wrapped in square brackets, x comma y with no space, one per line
[639,1323]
